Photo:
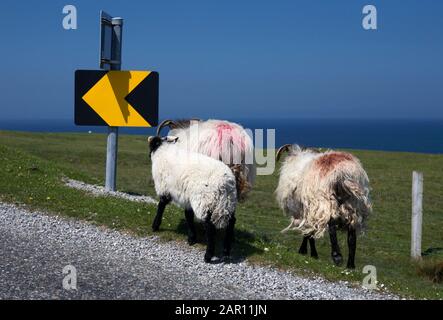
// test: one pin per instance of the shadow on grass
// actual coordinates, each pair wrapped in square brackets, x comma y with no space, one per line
[132,193]
[432,252]
[241,248]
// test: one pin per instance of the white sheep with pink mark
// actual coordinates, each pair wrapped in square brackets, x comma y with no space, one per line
[222,140]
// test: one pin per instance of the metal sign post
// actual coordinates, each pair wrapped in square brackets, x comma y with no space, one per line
[111,58]
[114,98]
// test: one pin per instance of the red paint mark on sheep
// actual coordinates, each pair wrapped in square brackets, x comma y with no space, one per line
[328,162]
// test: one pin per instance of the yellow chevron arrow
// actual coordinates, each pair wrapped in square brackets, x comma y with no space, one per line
[107,98]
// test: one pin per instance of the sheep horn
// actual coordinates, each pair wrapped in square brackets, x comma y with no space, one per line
[281,150]
[165,123]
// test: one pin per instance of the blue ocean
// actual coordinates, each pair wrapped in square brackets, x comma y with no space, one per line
[424,136]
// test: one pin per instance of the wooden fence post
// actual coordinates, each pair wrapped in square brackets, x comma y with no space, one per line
[417,214]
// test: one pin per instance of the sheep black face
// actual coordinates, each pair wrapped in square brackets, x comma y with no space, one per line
[155,142]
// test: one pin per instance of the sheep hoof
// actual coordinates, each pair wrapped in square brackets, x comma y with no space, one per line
[208,258]
[314,256]
[338,260]
[303,251]
[155,228]
[192,241]
[350,266]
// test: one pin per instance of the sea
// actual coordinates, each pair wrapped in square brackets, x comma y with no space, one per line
[409,135]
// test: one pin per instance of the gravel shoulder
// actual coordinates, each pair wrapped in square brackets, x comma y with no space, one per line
[111,265]
[100,191]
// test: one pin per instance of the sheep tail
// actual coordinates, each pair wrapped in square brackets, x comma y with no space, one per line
[224,208]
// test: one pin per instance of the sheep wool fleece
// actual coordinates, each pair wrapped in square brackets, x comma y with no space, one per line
[195,181]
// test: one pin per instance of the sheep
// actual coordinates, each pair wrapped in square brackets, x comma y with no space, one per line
[222,140]
[323,190]
[203,186]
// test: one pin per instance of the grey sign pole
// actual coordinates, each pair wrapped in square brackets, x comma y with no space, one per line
[114,63]
[417,214]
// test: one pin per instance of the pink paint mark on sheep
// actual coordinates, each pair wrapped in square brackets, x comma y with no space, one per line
[223,129]
[226,130]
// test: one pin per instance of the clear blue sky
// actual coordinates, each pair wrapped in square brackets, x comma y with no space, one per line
[234,58]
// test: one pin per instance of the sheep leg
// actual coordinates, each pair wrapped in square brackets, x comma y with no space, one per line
[229,237]
[314,253]
[352,245]
[210,238]
[304,246]
[164,200]
[192,234]
[335,249]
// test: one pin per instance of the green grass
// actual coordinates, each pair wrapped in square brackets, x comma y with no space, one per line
[32,166]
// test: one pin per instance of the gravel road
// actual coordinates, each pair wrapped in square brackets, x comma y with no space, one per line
[34,249]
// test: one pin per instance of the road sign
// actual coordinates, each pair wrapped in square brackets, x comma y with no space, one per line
[116,98]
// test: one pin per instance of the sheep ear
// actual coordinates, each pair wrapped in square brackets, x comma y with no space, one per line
[170,139]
